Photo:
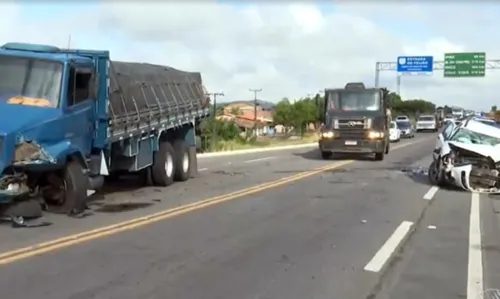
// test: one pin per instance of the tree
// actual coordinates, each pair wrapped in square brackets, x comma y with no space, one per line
[283,113]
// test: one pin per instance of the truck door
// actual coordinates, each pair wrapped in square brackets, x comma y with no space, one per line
[79,112]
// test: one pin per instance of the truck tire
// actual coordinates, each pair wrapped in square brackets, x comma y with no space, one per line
[162,170]
[182,161]
[75,189]
[326,155]
[379,156]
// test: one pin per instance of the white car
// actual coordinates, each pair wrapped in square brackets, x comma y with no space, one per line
[426,122]
[467,156]
[394,132]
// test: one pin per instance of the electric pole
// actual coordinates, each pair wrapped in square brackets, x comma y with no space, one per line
[255,91]
[214,126]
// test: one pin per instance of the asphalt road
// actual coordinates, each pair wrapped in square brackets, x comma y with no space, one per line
[360,229]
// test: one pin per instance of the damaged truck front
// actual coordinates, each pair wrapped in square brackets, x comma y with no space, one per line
[467,156]
[70,117]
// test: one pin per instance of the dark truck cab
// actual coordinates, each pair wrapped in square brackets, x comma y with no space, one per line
[356,121]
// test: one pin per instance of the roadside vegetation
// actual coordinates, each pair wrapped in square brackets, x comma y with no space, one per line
[299,117]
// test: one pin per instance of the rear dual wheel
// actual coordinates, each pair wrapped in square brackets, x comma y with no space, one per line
[171,163]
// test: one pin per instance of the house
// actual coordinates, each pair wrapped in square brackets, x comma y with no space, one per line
[243,114]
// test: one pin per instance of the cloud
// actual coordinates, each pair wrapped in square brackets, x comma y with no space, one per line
[287,49]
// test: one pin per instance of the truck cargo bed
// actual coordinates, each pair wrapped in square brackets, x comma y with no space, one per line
[142,95]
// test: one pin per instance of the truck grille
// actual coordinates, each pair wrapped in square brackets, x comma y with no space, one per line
[352,134]
[352,123]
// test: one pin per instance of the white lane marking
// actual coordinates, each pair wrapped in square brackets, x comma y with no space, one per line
[260,159]
[431,227]
[475,264]
[203,169]
[385,252]
[430,194]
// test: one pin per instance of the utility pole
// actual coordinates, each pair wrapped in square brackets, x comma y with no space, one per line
[69,42]
[255,91]
[214,127]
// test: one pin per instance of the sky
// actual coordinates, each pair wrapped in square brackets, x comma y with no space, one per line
[289,49]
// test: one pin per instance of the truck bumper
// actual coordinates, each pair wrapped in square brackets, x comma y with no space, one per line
[344,146]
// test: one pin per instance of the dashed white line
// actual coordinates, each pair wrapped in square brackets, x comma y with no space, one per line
[385,252]
[260,159]
[203,169]
[430,194]
[475,264]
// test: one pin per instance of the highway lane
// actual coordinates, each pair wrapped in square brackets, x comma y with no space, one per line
[127,199]
[312,238]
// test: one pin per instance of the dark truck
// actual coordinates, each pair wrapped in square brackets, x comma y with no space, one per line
[356,120]
[68,118]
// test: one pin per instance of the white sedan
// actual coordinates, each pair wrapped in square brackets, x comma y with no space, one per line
[394,132]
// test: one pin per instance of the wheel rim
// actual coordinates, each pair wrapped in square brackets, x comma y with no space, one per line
[185,162]
[169,166]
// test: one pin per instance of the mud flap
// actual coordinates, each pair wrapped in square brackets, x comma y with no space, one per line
[194,162]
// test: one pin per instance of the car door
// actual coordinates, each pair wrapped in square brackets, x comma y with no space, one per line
[443,137]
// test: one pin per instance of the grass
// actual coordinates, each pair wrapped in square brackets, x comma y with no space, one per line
[261,142]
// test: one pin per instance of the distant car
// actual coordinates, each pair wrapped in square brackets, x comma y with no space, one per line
[406,128]
[394,132]
[427,123]
[402,118]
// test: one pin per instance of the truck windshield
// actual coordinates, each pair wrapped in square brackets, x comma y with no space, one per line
[426,118]
[353,100]
[29,81]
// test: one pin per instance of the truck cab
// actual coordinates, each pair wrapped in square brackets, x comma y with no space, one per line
[50,108]
[356,121]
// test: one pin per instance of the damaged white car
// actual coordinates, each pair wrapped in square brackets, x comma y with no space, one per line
[467,156]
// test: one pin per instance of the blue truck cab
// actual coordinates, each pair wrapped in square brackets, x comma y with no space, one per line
[70,117]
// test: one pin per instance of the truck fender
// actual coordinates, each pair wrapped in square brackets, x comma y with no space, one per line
[62,151]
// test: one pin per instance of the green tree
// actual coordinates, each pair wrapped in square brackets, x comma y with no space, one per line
[283,113]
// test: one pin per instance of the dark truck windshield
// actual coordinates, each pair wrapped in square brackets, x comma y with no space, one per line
[426,118]
[403,124]
[353,100]
[30,81]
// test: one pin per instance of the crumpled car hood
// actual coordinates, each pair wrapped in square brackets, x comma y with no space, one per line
[482,149]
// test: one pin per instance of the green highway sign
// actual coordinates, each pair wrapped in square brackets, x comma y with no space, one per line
[465,64]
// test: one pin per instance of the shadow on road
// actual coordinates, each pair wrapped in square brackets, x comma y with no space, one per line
[316,155]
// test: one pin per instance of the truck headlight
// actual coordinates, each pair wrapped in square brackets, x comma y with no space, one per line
[327,134]
[375,135]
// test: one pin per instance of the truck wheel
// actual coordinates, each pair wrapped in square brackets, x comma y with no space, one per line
[163,168]
[379,156]
[326,155]
[182,161]
[75,189]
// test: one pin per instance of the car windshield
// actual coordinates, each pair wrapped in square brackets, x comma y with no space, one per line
[354,100]
[404,125]
[465,135]
[426,118]
[392,126]
[30,81]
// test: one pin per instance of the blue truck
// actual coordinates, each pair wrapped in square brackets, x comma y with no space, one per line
[69,118]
